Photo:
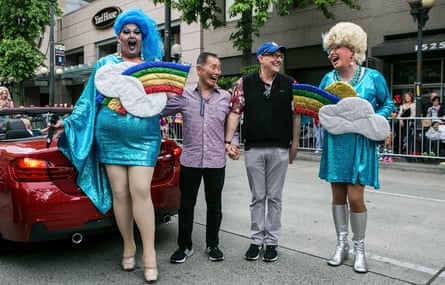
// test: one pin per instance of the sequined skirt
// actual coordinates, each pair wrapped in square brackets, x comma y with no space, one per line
[349,158]
[127,140]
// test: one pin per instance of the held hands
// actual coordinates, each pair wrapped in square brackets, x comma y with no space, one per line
[233,151]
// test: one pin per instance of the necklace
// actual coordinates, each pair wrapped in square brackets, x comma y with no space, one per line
[355,77]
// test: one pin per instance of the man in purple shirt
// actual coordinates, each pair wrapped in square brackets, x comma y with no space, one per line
[204,108]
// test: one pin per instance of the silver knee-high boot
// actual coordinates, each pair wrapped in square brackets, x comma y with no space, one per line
[358,226]
[340,214]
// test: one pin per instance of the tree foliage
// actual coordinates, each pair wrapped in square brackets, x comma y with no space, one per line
[22,22]
[254,15]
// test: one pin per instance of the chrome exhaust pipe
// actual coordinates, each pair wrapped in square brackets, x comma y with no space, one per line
[166,219]
[77,238]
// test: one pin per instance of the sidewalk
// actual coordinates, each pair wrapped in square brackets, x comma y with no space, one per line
[398,163]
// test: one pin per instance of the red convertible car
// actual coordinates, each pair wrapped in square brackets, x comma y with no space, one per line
[39,198]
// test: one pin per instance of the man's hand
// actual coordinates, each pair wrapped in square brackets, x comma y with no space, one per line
[233,151]
[293,152]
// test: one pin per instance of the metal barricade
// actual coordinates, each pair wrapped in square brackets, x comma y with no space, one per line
[307,138]
[409,138]
[416,139]
[171,128]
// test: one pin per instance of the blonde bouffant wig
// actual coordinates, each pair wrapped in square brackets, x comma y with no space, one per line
[2,88]
[348,35]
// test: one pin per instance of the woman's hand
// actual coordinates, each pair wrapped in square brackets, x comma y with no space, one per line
[58,127]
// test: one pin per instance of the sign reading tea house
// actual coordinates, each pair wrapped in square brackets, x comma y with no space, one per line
[105,18]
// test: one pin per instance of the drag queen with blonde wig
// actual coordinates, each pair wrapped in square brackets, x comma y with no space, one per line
[349,159]
[5,98]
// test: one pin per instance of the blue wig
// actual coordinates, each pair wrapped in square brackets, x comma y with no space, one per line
[151,39]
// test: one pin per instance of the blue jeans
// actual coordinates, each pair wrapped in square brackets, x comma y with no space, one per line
[318,135]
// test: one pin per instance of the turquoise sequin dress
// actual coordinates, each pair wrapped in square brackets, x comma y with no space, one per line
[352,158]
[96,135]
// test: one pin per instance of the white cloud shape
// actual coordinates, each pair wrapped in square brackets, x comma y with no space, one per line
[110,82]
[354,115]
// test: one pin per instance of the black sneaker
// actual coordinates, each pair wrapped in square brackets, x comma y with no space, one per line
[181,255]
[270,255]
[214,253]
[253,253]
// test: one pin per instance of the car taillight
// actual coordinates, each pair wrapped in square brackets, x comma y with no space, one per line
[38,170]
[177,151]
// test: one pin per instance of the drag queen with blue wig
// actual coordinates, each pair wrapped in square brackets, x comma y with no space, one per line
[349,160]
[113,137]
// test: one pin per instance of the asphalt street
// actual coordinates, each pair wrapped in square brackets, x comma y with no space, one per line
[404,242]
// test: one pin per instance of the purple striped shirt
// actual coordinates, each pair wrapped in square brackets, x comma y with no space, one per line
[203,126]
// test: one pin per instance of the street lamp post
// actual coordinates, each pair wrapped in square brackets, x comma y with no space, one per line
[167,30]
[51,53]
[176,51]
[419,11]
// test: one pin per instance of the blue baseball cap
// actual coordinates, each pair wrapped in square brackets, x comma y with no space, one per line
[269,47]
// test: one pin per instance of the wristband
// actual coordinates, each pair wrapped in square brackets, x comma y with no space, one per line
[227,142]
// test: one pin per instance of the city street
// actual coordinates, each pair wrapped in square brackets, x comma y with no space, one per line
[404,242]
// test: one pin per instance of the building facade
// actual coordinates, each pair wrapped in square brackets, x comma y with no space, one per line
[392,43]
[86,34]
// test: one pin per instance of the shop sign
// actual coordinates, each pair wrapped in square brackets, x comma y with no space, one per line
[105,18]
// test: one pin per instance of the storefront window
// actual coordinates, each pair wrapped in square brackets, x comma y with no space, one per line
[431,72]
[406,72]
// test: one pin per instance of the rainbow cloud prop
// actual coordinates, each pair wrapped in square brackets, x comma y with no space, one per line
[308,99]
[139,89]
[354,115]
[339,110]
[160,76]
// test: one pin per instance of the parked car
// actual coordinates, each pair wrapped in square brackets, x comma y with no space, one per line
[39,197]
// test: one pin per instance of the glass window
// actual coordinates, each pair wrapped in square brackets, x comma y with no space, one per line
[431,71]
[74,57]
[406,72]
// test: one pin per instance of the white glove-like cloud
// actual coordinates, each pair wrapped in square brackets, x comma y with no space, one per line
[111,83]
[354,115]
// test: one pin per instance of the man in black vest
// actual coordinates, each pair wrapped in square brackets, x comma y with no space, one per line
[270,133]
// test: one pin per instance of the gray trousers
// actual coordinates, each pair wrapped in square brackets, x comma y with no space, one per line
[266,171]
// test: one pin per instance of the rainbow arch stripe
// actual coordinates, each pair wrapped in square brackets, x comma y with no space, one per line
[308,99]
[160,76]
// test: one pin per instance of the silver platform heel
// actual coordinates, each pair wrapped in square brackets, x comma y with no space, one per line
[358,226]
[340,214]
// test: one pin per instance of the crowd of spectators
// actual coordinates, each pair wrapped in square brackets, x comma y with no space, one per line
[415,134]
